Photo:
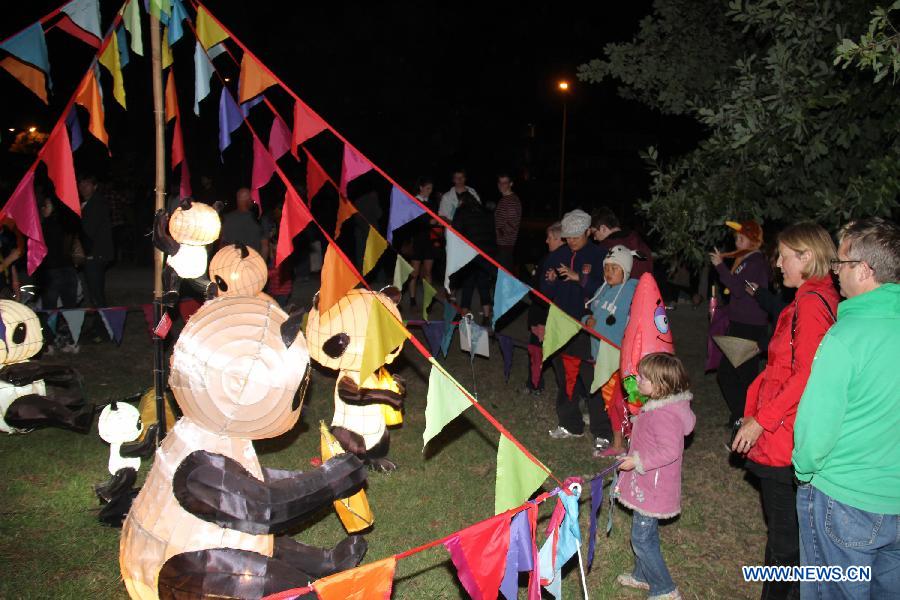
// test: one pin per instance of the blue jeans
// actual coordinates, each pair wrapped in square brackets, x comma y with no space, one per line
[649,565]
[835,534]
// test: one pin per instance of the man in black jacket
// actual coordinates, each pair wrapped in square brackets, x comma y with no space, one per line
[96,238]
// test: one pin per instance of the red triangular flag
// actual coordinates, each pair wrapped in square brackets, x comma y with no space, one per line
[295,216]
[571,365]
[177,144]
[263,167]
[368,582]
[57,155]
[89,97]
[338,278]
[479,555]
[306,125]
[352,167]
[315,176]
[69,26]
[254,79]
[184,186]
[279,138]
[22,209]
[345,211]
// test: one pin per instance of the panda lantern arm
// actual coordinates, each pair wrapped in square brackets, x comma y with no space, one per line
[351,393]
[219,490]
[23,373]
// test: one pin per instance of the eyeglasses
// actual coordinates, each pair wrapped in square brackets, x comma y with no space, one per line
[837,263]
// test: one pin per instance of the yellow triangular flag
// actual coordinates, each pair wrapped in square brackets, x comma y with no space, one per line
[428,294]
[110,60]
[166,50]
[384,333]
[375,247]
[209,32]
[402,271]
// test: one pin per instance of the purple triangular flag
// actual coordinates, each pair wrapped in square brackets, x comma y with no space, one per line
[506,349]
[434,332]
[246,106]
[75,135]
[596,502]
[518,558]
[230,118]
[114,319]
[403,210]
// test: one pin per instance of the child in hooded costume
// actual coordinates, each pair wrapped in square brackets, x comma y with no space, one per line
[609,308]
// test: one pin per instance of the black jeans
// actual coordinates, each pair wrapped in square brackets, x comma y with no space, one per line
[95,274]
[734,381]
[779,498]
[568,410]
[476,274]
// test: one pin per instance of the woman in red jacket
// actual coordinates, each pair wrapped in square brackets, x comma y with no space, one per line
[767,433]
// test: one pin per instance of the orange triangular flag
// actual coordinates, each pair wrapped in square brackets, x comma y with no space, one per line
[368,582]
[254,79]
[31,77]
[338,278]
[89,97]
[345,211]
[171,99]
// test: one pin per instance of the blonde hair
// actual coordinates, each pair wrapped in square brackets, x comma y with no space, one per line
[813,238]
[666,372]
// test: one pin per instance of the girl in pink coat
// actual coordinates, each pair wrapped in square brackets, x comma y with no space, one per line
[650,484]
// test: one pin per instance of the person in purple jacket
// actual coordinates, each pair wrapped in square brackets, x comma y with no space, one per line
[650,484]
[746,318]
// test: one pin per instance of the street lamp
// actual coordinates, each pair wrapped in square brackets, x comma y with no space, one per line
[563,87]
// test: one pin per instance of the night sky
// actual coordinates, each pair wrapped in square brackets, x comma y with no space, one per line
[419,87]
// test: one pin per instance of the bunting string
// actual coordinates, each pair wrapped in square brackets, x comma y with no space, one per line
[43,21]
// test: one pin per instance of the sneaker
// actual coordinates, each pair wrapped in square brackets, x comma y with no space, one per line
[609,452]
[601,443]
[628,580]
[561,433]
[673,595]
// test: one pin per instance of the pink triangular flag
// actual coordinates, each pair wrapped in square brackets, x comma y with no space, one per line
[279,138]
[22,209]
[353,166]
[263,167]
[306,125]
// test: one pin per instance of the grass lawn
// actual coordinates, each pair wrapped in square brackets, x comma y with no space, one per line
[52,546]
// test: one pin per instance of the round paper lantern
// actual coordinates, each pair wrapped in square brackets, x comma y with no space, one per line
[337,337]
[197,226]
[238,271]
[189,262]
[24,337]
[231,372]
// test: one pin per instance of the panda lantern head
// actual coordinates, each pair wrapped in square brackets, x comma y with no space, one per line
[119,423]
[240,368]
[337,337]
[238,270]
[21,332]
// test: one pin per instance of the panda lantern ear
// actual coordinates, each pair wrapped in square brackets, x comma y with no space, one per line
[291,327]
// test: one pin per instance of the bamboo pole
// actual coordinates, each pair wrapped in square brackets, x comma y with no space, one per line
[159,379]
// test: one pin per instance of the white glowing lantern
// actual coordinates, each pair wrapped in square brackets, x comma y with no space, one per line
[238,271]
[197,226]
[189,262]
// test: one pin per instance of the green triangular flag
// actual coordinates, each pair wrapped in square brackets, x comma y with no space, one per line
[606,363]
[445,401]
[132,20]
[402,271]
[560,329]
[517,476]
[428,294]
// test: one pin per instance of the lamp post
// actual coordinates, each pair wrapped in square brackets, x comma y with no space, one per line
[563,87]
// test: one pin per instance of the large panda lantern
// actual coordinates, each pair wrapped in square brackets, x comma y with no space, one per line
[24,400]
[207,521]
[362,410]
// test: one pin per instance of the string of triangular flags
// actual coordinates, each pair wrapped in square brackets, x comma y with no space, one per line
[113,318]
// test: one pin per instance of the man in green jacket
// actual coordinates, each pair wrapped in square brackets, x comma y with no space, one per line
[847,433]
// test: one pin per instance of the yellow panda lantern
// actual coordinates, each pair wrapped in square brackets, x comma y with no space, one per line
[363,409]
[207,521]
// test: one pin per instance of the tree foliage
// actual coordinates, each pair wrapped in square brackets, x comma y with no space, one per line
[787,134]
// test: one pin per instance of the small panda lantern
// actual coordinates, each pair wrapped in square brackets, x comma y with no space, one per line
[183,236]
[337,339]
[238,270]
[206,522]
[118,424]
[24,402]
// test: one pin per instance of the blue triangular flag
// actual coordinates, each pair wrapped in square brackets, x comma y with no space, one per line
[114,319]
[175,28]
[506,350]
[74,319]
[30,46]
[203,70]
[75,135]
[246,106]
[85,14]
[507,293]
[403,210]
[518,557]
[568,539]
[434,332]
[596,502]
[122,42]
[449,327]
[230,119]
[53,321]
